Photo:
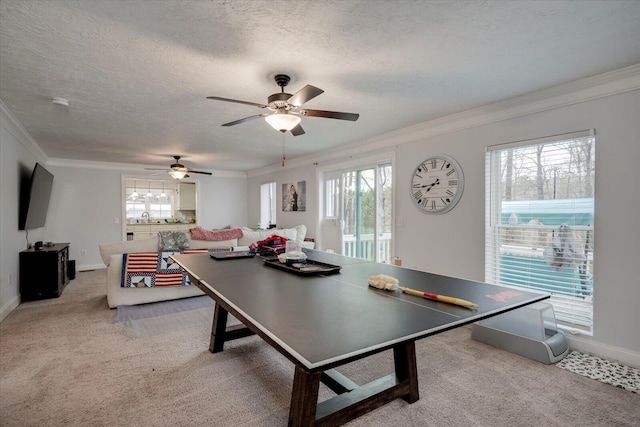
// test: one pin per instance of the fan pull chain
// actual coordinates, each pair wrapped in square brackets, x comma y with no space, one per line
[283,156]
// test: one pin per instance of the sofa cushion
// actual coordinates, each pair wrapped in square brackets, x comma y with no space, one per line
[209,244]
[151,245]
[250,236]
[301,232]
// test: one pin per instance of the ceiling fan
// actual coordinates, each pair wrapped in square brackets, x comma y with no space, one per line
[178,170]
[286,112]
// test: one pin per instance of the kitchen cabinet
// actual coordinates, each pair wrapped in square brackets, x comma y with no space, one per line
[145,231]
[187,199]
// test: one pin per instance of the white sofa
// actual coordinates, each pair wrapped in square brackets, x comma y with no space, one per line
[112,257]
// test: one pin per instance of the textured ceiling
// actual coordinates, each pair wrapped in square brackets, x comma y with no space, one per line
[136,73]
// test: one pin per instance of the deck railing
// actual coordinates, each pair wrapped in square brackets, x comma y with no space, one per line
[366,246]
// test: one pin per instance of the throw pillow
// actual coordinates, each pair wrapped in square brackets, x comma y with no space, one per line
[166,241]
[181,238]
[172,240]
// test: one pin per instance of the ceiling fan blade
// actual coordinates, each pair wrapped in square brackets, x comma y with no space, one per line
[246,119]
[217,98]
[303,95]
[153,169]
[204,173]
[330,114]
[297,131]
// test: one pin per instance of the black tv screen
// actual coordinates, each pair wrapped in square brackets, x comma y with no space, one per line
[36,203]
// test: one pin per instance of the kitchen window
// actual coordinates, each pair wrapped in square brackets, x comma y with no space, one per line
[156,198]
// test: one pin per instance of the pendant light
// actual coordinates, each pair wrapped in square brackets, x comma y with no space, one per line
[135,194]
[149,194]
[163,193]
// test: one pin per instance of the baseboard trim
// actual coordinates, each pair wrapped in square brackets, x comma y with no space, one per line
[9,307]
[87,267]
[585,345]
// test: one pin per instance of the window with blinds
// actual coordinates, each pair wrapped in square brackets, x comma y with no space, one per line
[539,231]
[267,205]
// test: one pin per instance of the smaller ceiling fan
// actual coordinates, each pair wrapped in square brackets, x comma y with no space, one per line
[178,170]
[286,112]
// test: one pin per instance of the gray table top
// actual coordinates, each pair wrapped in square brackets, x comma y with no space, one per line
[321,321]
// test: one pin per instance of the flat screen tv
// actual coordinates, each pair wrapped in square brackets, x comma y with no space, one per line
[36,201]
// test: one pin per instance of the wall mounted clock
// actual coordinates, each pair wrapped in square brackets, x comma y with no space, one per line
[437,184]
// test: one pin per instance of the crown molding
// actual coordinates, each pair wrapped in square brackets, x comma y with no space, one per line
[324,158]
[583,90]
[127,167]
[13,126]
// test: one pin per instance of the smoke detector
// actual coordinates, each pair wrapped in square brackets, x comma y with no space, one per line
[61,101]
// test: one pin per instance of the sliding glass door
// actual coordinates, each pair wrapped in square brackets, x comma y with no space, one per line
[359,202]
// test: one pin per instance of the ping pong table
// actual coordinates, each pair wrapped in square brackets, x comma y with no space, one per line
[320,322]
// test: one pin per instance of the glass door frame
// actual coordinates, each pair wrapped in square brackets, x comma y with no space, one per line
[361,164]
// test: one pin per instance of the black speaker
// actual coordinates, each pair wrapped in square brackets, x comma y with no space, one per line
[71,269]
[38,245]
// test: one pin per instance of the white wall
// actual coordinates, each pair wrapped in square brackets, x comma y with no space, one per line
[223,201]
[285,219]
[18,156]
[86,203]
[453,243]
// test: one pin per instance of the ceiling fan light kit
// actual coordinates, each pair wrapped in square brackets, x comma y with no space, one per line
[177,174]
[283,122]
[178,171]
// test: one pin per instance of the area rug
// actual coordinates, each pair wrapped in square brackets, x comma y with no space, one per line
[602,370]
[167,316]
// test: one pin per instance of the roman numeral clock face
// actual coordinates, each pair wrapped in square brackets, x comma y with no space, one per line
[436,184]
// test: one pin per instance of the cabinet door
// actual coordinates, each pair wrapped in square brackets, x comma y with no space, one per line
[62,267]
[139,235]
[187,196]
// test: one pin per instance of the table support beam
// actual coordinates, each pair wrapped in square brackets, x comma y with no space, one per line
[220,332]
[337,382]
[352,400]
[404,359]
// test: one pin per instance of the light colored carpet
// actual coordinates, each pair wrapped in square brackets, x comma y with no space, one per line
[144,311]
[64,362]
[165,317]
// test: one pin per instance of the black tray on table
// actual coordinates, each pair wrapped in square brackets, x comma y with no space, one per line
[307,268]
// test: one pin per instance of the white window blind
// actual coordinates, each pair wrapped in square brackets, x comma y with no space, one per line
[267,204]
[331,197]
[539,222]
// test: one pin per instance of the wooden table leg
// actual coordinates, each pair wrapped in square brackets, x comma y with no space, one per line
[352,400]
[304,398]
[404,357]
[218,329]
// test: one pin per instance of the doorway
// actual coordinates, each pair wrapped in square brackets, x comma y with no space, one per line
[357,213]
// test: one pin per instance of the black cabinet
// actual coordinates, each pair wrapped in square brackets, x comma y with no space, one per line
[44,272]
